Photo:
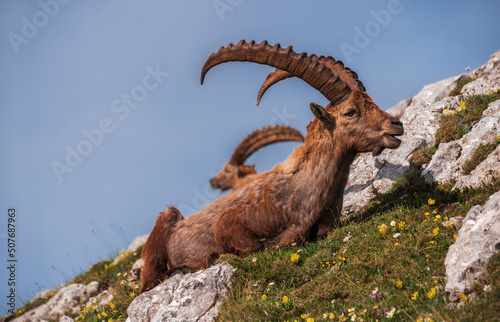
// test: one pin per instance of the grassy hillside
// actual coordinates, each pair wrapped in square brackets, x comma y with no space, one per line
[387,262]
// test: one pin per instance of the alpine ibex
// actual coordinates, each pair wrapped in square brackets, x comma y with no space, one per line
[296,199]
[235,174]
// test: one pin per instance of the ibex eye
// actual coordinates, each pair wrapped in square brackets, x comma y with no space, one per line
[350,113]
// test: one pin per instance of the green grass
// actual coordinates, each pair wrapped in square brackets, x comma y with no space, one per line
[338,274]
[458,89]
[423,156]
[360,268]
[33,304]
[479,155]
[111,277]
[114,278]
[456,125]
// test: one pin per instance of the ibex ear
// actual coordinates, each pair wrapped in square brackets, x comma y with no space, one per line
[321,114]
[240,171]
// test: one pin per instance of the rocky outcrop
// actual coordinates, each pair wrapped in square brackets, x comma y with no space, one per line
[421,120]
[478,240]
[67,299]
[399,109]
[448,162]
[191,297]
[135,272]
[488,77]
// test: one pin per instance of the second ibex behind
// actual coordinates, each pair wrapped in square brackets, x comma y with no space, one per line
[297,200]
[235,173]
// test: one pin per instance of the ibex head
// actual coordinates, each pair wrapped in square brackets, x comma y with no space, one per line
[360,124]
[227,178]
[352,119]
[233,174]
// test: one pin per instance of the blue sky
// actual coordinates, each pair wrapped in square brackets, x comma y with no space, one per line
[118,82]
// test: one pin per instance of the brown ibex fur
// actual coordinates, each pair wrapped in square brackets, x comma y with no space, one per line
[235,174]
[297,198]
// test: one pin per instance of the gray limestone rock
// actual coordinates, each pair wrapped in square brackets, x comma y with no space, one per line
[135,272]
[68,298]
[399,109]
[190,297]
[489,77]
[448,162]
[478,240]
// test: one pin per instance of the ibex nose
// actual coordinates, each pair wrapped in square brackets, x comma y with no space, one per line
[396,122]
[214,183]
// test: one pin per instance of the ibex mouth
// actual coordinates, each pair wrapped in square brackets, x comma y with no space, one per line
[393,138]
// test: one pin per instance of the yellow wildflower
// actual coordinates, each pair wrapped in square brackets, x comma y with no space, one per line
[435,231]
[304,316]
[285,299]
[427,213]
[414,296]
[331,316]
[294,258]
[432,293]
[431,201]
[310,320]
[104,314]
[99,316]
[382,228]
[455,236]
[264,296]
[490,92]
[461,106]
[396,244]
[463,297]
[249,297]
[399,284]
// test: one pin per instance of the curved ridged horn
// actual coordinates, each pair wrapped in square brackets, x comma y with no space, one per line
[312,72]
[336,66]
[260,138]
